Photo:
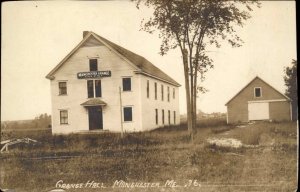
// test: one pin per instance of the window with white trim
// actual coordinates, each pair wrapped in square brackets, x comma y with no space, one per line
[126,81]
[174,113]
[257,92]
[155,91]
[127,111]
[173,93]
[147,88]
[162,92]
[169,117]
[93,64]
[63,117]
[94,88]
[156,116]
[62,86]
[168,89]
[163,116]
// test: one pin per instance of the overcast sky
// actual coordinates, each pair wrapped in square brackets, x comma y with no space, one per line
[37,35]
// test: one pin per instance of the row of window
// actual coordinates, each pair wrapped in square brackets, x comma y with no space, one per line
[163,117]
[127,115]
[162,91]
[94,87]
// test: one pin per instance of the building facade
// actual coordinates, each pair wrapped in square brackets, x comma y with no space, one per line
[258,101]
[102,86]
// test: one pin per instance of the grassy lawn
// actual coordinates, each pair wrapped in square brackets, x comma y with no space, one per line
[268,164]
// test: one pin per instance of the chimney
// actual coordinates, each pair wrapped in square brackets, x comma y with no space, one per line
[84,33]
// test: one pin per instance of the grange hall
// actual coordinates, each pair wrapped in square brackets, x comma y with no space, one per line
[100,85]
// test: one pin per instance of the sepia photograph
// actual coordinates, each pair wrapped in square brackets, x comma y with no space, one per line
[149,95]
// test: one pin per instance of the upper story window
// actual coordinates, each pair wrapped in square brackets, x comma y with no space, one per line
[162,92]
[168,94]
[94,91]
[147,88]
[173,93]
[257,92]
[126,84]
[98,90]
[62,88]
[93,65]
[155,90]
[90,88]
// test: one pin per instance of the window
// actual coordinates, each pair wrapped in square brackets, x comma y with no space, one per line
[162,92]
[93,65]
[163,116]
[169,117]
[173,93]
[62,88]
[168,94]
[90,88]
[63,117]
[127,113]
[98,88]
[147,88]
[257,92]
[156,116]
[174,117]
[155,91]
[127,84]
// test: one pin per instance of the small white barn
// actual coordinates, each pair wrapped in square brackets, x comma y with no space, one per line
[102,86]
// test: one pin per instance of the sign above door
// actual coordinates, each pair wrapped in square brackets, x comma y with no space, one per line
[93,74]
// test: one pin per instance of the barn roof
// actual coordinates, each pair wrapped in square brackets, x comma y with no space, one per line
[142,65]
[250,83]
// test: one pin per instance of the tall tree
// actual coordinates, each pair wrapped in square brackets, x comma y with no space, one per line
[290,80]
[193,25]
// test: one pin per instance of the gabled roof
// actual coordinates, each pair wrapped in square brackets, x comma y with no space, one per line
[142,65]
[250,83]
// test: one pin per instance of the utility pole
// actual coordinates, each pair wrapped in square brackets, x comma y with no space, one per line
[122,134]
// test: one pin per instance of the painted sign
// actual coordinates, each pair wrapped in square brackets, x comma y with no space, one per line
[93,74]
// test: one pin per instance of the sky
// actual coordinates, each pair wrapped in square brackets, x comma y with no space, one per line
[36,36]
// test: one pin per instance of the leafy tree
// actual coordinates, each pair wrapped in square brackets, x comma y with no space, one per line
[290,80]
[193,25]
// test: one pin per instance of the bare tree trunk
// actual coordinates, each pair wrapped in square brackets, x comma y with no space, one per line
[192,95]
[188,96]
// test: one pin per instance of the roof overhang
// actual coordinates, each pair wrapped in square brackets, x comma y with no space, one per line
[93,102]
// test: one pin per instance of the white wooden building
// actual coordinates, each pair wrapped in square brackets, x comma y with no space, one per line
[102,86]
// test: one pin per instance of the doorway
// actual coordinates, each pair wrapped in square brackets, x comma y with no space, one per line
[258,111]
[95,117]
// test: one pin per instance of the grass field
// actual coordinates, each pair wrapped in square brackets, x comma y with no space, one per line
[267,162]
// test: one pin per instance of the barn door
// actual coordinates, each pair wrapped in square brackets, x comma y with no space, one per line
[258,111]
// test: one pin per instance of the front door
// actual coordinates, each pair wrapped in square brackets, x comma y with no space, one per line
[95,118]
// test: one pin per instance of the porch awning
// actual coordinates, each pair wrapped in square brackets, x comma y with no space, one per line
[93,102]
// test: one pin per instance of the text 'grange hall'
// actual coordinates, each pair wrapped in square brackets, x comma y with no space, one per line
[102,86]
